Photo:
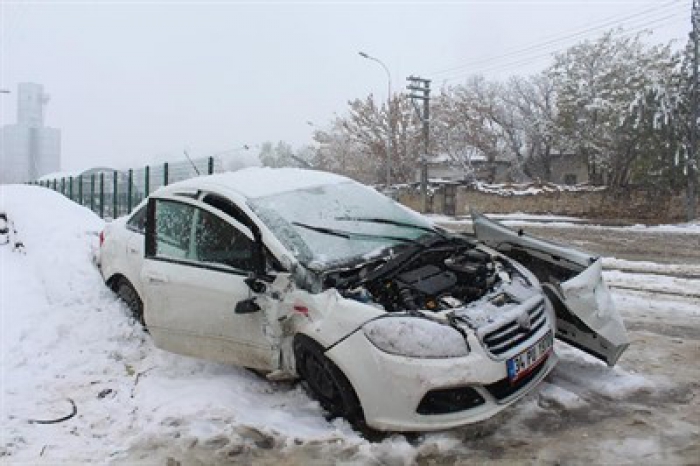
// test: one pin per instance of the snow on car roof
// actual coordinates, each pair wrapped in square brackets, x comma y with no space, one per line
[256,182]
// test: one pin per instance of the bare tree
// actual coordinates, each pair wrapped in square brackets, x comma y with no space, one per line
[355,144]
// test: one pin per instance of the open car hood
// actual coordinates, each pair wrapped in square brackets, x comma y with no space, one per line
[573,280]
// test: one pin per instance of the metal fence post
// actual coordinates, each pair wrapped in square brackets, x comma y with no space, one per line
[70,188]
[211,166]
[80,189]
[165,174]
[129,190]
[92,192]
[115,197]
[63,186]
[102,195]
[147,181]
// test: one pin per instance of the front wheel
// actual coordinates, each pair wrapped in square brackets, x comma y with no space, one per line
[327,384]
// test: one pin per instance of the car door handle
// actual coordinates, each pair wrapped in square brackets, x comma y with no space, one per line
[133,251]
[155,278]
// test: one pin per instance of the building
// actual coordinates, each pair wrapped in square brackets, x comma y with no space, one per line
[478,167]
[28,149]
[564,168]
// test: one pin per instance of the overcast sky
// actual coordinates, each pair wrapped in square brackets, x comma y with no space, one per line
[132,82]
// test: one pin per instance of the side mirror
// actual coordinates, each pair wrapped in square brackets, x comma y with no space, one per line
[255,285]
[247,306]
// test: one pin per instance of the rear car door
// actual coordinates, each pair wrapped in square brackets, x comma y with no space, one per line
[573,281]
[193,276]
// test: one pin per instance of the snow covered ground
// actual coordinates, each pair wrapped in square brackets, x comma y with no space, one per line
[66,339]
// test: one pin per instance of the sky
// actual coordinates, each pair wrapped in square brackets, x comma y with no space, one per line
[136,82]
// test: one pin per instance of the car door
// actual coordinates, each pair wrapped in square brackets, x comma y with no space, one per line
[573,281]
[193,276]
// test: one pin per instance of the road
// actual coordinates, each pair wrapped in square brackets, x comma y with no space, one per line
[634,245]
[644,244]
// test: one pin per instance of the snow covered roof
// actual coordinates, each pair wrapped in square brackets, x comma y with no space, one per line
[256,182]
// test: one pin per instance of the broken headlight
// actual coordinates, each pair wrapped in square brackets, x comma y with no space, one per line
[416,337]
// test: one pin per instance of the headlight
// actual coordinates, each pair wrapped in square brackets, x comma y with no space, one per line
[416,337]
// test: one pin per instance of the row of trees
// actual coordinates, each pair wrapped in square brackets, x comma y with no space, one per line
[622,104]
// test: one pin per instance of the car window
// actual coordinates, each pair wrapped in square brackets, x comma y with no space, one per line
[217,241]
[173,228]
[226,207]
[137,222]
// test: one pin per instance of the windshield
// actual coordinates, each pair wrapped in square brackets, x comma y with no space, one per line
[336,223]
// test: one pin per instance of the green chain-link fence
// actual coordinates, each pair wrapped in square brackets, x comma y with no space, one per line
[113,193]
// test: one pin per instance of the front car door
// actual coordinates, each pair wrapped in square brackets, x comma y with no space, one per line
[197,259]
[573,281]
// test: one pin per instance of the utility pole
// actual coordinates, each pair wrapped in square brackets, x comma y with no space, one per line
[694,117]
[419,89]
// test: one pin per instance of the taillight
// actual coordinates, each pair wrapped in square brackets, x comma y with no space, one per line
[102,238]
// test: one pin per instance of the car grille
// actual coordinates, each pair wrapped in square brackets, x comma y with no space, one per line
[512,334]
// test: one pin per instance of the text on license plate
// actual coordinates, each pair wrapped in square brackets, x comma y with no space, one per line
[521,364]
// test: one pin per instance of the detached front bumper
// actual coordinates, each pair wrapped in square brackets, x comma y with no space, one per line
[401,393]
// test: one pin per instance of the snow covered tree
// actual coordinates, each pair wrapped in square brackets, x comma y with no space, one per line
[276,156]
[511,121]
[463,124]
[534,104]
[605,96]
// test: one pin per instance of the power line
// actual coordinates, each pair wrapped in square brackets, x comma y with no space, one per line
[528,59]
[611,21]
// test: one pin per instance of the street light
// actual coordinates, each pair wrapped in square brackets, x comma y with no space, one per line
[388,109]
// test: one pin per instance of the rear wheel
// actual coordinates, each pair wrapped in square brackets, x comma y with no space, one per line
[328,384]
[128,294]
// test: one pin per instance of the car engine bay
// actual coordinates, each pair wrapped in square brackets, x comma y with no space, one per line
[444,275]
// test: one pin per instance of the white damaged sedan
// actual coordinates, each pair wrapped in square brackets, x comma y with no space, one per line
[392,323]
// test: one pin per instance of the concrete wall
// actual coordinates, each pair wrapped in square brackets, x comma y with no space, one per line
[630,205]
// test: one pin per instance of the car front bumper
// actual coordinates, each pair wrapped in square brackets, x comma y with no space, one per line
[394,390]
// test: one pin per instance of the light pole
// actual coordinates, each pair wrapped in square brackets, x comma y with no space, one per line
[388,109]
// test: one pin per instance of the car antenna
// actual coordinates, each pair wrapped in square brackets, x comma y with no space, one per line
[193,165]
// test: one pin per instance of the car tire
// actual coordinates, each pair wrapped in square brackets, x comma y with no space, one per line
[128,294]
[326,383]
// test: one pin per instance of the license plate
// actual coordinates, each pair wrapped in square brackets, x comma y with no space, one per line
[520,365]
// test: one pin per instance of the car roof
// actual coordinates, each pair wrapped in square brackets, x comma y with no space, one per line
[258,181]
